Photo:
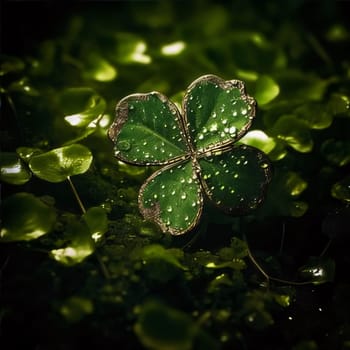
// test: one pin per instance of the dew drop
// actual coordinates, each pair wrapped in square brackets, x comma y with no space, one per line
[184,196]
[238,162]
[200,106]
[186,218]
[217,173]
[264,165]
[232,191]
[213,127]
[244,111]
[155,196]
[169,209]
[124,145]
[200,137]
[131,107]
[222,187]
[182,180]
[162,187]
[232,130]
[194,204]
[224,121]
[222,109]
[236,176]
[214,115]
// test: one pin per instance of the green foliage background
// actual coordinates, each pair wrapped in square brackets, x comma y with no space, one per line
[126,283]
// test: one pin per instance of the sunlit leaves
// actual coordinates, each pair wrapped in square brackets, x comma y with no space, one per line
[159,253]
[173,49]
[60,163]
[96,220]
[266,89]
[149,130]
[99,69]
[294,184]
[314,115]
[260,140]
[80,235]
[82,107]
[25,217]
[130,49]
[79,245]
[13,169]
[216,285]
[293,132]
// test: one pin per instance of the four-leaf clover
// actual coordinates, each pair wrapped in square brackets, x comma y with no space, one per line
[197,150]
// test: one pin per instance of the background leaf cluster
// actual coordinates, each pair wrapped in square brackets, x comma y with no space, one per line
[104,274]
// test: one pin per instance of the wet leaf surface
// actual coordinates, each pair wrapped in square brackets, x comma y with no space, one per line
[60,163]
[25,217]
[149,130]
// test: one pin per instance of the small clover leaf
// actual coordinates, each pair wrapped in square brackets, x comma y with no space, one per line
[197,149]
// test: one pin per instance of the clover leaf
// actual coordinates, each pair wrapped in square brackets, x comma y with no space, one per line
[197,150]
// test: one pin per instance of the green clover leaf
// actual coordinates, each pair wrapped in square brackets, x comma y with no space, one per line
[197,150]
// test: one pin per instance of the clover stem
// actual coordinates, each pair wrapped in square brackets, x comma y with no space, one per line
[255,263]
[76,195]
[103,267]
[266,275]
[326,247]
